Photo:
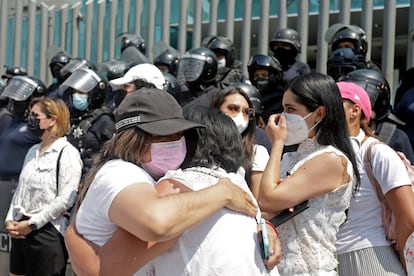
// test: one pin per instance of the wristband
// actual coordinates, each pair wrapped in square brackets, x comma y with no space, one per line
[273,227]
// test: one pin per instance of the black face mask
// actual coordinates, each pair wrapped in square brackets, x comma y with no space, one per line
[262,85]
[119,96]
[33,125]
[284,56]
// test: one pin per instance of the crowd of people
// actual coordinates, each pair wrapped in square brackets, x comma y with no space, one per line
[132,167]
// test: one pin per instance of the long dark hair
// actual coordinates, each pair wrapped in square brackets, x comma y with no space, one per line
[219,143]
[314,90]
[249,134]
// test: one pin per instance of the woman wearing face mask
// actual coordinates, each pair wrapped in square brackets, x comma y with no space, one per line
[35,218]
[235,103]
[119,194]
[323,171]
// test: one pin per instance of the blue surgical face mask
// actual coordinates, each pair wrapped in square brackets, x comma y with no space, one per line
[80,101]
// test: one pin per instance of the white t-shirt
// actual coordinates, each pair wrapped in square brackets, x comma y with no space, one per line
[260,158]
[92,219]
[224,244]
[363,227]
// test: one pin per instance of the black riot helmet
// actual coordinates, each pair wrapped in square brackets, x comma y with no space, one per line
[13,71]
[112,69]
[377,87]
[343,61]
[130,39]
[22,88]
[172,85]
[289,36]
[354,34]
[20,91]
[75,64]
[224,46]
[57,62]
[89,81]
[197,66]
[254,95]
[168,59]
[265,62]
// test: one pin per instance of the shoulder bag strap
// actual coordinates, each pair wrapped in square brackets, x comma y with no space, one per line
[57,171]
[368,169]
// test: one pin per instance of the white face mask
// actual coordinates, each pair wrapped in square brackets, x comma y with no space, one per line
[221,63]
[297,129]
[240,122]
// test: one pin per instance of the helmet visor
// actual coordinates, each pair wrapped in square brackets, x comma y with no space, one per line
[72,66]
[83,80]
[190,69]
[19,88]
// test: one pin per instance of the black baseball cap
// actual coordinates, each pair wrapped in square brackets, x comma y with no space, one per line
[152,110]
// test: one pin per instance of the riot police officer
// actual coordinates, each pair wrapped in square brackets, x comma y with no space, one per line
[223,48]
[350,36]
[265,73]
[168,61]
[56,64]
[343,61]
[197,75]
[286,45]
[92,123]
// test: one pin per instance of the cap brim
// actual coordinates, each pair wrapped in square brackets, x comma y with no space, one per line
[117,83]
[168,127]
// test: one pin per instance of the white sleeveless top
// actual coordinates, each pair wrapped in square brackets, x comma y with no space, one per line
[308,239]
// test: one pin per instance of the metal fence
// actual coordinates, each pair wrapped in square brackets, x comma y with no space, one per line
[88,28]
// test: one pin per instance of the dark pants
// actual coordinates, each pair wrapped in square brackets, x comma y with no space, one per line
[7,188]
[41,253]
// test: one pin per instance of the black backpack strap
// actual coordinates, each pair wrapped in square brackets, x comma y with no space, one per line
[386,132]
[57,171]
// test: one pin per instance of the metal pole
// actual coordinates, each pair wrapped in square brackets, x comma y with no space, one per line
[388,49]
[246,38]
[303,29]
[198,5]
[322,46]
[345,12]
[366,23]
[264,27]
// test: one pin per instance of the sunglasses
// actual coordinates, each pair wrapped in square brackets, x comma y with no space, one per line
[234,108]
[34,116]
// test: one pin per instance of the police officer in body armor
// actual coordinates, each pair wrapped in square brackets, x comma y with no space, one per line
[223,48]
[387,126]
[92,123]
[350,36]
[197,75]
[56,64]
[265,73]
[343,61]
[286,46]
[18,136]
[67,70]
